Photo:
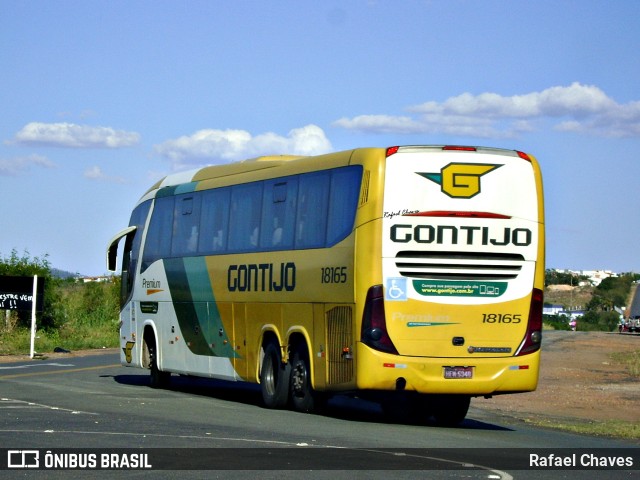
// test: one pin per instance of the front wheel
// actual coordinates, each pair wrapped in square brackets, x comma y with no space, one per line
[274,378]
[157,378]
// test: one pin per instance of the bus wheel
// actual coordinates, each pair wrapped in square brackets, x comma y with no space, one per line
[157,378]
[274,378]
[303,397]
[450,410]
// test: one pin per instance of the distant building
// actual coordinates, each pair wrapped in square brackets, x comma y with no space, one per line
[102,278]
[595,276]
[552,309]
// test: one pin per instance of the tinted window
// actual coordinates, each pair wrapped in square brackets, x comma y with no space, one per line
[311,224]
[312,210]
[246,213]
[279,213]
[345,189]
[158,242]
[214,225]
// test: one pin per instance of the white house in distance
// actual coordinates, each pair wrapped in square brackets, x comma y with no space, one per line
[594,276]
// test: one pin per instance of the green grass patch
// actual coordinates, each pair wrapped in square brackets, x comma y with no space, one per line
[631,360]
[83,316]
[608,428]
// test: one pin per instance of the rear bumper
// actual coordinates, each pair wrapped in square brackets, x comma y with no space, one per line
[383,371]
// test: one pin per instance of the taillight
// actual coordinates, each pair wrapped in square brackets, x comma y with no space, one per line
[374,324]
[524,156]
[533,337]
[392,150]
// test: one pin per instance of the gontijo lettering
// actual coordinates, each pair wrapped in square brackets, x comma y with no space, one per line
[262,277]
[452,235]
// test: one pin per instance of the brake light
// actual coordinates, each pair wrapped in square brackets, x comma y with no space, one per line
[374,324]
[452,213]
[392,150]
[459,148]
[533,337]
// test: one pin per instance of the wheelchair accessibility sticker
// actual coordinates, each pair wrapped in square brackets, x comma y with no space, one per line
[396,289]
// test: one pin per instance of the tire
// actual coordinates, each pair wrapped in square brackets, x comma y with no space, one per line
[450,410]
[274,378]
[157,378]
[303,397]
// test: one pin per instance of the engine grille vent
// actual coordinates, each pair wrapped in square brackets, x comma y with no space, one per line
[339,337]
[459,265]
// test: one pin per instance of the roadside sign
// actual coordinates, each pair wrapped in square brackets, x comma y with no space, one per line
[16,293]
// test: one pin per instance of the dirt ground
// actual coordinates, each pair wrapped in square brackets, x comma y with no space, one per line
[578,380]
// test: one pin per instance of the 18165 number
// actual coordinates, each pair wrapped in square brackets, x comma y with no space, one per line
[334,274]
[501,318]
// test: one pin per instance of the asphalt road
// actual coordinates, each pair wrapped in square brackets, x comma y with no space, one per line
[91,402]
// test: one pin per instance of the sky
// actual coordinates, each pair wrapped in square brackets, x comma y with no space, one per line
[99,100]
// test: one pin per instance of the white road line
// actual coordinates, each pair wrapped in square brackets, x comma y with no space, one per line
[9,403]
[50,364]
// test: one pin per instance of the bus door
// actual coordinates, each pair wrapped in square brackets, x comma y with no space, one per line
[127,306]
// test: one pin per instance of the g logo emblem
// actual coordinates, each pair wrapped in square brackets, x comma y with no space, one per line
[460,180]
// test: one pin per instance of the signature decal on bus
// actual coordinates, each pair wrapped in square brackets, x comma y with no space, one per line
[467,234]
[460,180]
[262,277]
[404,211]
[152,286]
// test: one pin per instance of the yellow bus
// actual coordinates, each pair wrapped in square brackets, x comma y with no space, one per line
[410,275]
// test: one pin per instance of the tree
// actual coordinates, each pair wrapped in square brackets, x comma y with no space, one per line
[554,277]
[612,292]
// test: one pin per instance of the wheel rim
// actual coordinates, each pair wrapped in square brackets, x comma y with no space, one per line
[299,379]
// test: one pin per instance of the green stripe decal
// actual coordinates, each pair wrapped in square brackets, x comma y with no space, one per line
[198,316]
[430,324]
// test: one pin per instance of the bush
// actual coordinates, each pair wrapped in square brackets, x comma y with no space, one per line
[599,321]
[76,315]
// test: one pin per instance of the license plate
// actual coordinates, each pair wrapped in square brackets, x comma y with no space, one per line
[458,372]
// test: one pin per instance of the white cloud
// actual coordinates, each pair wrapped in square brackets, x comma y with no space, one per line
[577,108]
[220,146]
[15,166]
[96,173]
[70,135]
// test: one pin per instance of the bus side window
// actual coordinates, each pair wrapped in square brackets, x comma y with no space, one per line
[158,239]
[313,199]
[246,212]
[186,225]
[279,214]
[345,189]
[215,221]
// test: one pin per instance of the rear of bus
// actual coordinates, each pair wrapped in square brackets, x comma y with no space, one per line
[459,309]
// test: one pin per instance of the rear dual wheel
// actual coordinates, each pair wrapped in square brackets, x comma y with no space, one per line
[274,377]
[302,397]
[291,382]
